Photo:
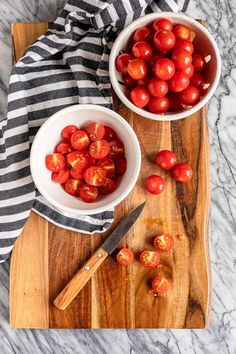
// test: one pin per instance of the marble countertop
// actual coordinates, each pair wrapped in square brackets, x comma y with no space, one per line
[220,337]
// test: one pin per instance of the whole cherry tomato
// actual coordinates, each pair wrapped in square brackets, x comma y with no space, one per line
[144,82]
[199,63]
[157,88]
[108,165]
[121,166]
[68,131]
[175,104]
[80,140]
[164,69]
[55,162]
[179,81]
[181,59]
[162,24]
[159,105]
[155,184]
[189,96]
[122,62]
[61,176]
[189,70]
[137,69]
[142,50]
[99,149]
[197,80]
[88,193]
[140,96]
[181,32]
[184,44]
[164,243]
[129,82]
[108,187]
[142,34]
[182,172]
[110,134]
[149,259]
[152,62]
[116,149]
[164,40]
[95,176]
[125,256]
[160,285]
[95,131]
[166,159]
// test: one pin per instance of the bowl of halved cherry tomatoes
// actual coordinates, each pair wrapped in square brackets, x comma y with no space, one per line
[165,66]
[85,159]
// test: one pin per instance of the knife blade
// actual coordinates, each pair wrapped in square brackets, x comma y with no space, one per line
[72,289]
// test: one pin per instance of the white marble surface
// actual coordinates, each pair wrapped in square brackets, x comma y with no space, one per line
[220,337]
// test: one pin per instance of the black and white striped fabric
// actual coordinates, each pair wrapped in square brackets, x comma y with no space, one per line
[68,65]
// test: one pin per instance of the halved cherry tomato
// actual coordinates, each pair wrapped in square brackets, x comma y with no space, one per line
[125,256]
[142,34]
[160,285]
[158,88]
[155,184]
[149,259]
[164,243]
[55,162]
[108,165]
[73,186]
[121,166]
[116,149]
[80,140]
[175,104]
[95,131]
[179,81]
[77,160]
[162,24]
[166,159]
[181,59]
[189,96]
[61,176]
[164,40]
[184,44]
[164,69]
[88,193]
[142,50]
[91,160]
[182,172]
[137,69]
[99,149]
[77,174]
[140,96]
[189,70]
[108,187]
[95,176]
[63,148]
[158,105]
[122,62]
[181,32]
[110,134]
[199,63]
[68,131]
[129,82]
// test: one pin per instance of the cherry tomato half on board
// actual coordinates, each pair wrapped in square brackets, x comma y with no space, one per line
[80,140]
[155,184]
[88,193]
[149,259]
[95,176]
[68,131]
[55,162]
[125,256]
[95,131]
[164,243]
[61,176]
[160,285]
[182,172]
[99,149]
[166,159]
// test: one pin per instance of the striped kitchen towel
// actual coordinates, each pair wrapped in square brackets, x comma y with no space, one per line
[68,65]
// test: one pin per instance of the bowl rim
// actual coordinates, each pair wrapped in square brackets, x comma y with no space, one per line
[165,117]
[94,210]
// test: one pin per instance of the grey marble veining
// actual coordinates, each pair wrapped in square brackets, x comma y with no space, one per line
[220,337]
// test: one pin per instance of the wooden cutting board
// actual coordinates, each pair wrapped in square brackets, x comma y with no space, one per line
[46,257]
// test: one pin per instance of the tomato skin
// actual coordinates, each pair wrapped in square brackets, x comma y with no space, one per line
[149,259]
[95,176]
[179,81]
[129,82]
[73,186]
[125,256]
[77,160]
[152,62]
[95,131]
[166,159]
[61,176]
[108,187]
[197,80]
[77,174]
[184,44]
[189,70]
[110,134]
[99,149]
[142,34]
[164,40]
[181,32]
[144,82]
[162,24]
[88,193]
[80,140]
[158,105]
[199,63]
[139,96]
[121,166]
[164,243]
[68,131]
[55,162]
[160,285]
[122,62]
[142,50]
[157,88]
[190,96]
[108,165]
[181,59]
[137,69]
[116,149]
[155,184]
[63,148]
[164,69]
[175,104]
[182,172]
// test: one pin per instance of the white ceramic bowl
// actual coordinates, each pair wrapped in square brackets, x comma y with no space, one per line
[49,136]
[203,42]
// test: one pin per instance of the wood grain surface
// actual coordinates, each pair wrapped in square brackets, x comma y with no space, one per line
[45,257]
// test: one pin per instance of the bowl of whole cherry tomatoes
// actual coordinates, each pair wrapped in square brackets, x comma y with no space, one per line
[85,159]
[165,66]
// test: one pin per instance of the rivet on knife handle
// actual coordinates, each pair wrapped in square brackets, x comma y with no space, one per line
[80,279]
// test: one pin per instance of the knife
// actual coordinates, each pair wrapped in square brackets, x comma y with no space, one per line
[72,289]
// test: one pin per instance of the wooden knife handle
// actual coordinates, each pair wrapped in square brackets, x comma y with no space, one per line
[72,289]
